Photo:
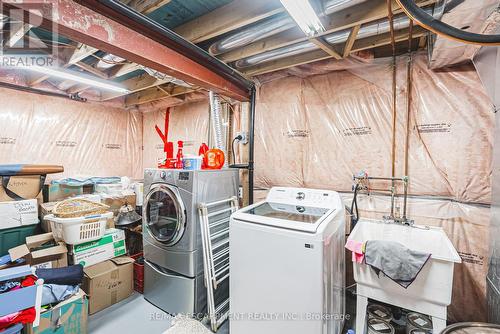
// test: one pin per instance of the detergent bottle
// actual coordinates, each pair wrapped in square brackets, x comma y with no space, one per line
[201,152]
[180,156]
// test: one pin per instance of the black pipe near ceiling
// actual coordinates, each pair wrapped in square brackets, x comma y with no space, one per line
[119,12]
[443,29]
[74,97]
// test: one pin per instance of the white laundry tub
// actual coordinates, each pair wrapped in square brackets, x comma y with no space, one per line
[430,293]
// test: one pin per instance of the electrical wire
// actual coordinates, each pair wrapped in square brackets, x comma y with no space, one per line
[238,137]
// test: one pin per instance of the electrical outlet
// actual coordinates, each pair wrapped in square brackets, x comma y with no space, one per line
[244,140]
[240,192]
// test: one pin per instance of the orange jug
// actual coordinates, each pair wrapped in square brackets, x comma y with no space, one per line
[214,159]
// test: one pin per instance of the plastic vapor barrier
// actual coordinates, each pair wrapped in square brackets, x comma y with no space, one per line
[487,63]
[319,130]
[86,138]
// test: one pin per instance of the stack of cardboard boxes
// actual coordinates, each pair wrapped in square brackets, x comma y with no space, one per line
[108,272]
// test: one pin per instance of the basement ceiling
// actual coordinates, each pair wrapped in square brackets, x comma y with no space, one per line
[358,25]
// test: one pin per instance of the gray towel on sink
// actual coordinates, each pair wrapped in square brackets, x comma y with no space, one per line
[397,262]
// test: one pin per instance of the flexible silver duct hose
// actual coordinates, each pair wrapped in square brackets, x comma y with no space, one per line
[162,76]
[272,26]
[215,109]
[267,28]
[372,29]
[3,20]
[333,6]
[109,60]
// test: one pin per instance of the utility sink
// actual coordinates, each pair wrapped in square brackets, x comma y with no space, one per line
[429,294]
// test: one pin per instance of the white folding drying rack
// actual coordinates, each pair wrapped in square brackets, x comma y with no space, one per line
[214,222]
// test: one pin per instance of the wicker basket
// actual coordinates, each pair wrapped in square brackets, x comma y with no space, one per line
[78,207]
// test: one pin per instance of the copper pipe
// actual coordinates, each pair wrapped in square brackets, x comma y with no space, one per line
[393,150]
[408,113]
[408,97]
[379,190]
[391,24]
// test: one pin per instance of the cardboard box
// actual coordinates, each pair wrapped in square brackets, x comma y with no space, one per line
[18,213]
[67,317]
[116,201]
[108,282]
[26,187]
[111,245]
[50,257]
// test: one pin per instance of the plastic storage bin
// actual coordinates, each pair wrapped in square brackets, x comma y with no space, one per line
[78,230]
[13,237]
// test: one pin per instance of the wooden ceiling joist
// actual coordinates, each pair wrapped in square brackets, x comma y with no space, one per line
[155,94]
[91,69]
[350,41]
[123,69]
[78,54]
[77,88]
[325,46]
[147,6]
[232,16]
[369,11]
[134,85]
[310,57]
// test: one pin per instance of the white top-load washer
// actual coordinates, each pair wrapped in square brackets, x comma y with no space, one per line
[287,264]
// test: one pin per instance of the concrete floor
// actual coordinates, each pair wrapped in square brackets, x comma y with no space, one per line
[134,315]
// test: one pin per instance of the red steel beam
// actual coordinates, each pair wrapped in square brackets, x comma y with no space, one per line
[83,25]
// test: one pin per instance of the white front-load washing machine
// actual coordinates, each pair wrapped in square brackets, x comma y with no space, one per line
[287,264]
[173,273]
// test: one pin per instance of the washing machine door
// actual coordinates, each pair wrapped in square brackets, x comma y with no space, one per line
[165,215]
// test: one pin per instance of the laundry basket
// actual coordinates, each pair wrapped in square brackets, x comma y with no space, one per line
[78,220]
[78,230]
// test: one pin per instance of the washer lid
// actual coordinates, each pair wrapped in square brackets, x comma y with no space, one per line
[295,217]
[292,208]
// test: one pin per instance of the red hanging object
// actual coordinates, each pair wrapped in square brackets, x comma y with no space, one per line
[168,147]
